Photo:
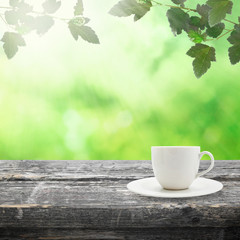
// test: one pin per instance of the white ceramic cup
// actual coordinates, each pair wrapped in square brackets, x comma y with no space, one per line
[176,167]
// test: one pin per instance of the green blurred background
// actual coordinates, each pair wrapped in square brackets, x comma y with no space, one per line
[62,99]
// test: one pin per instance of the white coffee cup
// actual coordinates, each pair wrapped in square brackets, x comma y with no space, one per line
[176,167]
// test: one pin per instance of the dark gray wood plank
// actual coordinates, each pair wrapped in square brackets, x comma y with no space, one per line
[28,170]
[89,200]
[100,204]
[121,234]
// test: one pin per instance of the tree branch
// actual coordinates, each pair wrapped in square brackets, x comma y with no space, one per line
[228,31]
[40,13]
[185,8]
[229,21]
[172,6]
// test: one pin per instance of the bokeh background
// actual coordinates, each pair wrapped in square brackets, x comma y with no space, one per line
[62,99]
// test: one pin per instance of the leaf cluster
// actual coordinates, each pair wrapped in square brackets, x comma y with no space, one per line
[22,19]
[205,23]
[125,8]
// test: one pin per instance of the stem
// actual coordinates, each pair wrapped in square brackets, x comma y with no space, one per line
[224,34]
[6,7]
[228,31]
[185,8]
[158,3]
[41,13]
[171,6]
[59,18]
[3,19]
[229,21]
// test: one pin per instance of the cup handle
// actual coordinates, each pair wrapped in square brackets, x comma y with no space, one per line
[211,165]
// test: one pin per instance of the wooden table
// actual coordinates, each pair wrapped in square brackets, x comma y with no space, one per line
[89,200]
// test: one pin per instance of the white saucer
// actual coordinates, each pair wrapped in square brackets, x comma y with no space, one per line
[150,187]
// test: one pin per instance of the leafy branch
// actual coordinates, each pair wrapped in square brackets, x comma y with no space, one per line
[205,24]
[173,6]
[202,24]
[227,32]
[21,19]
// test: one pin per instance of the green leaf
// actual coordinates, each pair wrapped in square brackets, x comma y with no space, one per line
[235,35]
[179,2]
[203,11]
[19,17]
[196,23]
[51,6]
[20,10]
[219,9]
[43,24]
[216,30]
[125,8]
[11,17]
[178,19]
[196,37]
[27,24]
[203,55]
[12,41]
[24,8]
[234,51]
[13,3]
[87,20]
[74,30]
[86,33]
[78,9]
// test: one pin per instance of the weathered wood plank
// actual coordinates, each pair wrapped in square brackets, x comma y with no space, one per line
[102,193]
[99,169]
[120,234]
[113,218]
[89,200]
[98,204]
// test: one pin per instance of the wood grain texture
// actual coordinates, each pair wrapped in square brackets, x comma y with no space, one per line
[120,234]
[89,200]
[64,170]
